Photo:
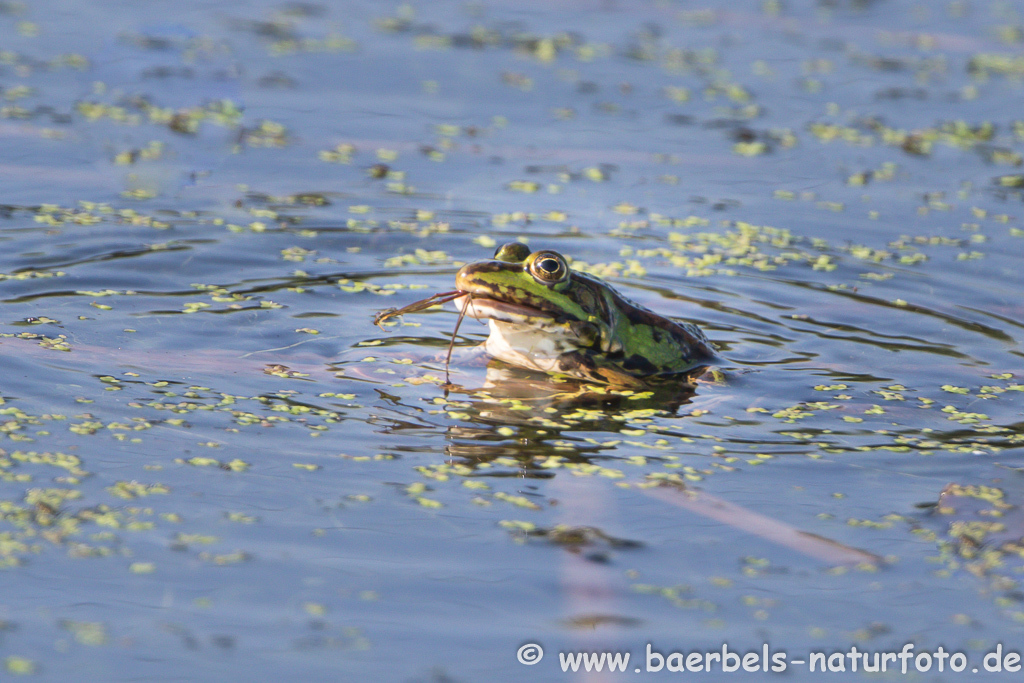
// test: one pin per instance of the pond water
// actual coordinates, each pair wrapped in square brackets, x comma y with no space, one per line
[214,466]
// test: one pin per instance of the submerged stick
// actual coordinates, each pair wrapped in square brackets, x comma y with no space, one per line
[803,542]
[416,306]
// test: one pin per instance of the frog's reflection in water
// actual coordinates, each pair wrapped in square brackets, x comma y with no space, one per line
[532,417]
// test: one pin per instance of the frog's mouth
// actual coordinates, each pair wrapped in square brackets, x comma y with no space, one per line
[486,308]
[523,335]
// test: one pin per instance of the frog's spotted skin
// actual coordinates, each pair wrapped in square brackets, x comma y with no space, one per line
[545,316]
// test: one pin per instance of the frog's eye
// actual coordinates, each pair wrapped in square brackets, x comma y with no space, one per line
[513,252]
[548,266]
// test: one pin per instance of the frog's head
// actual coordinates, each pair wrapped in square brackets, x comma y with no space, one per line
[537,308]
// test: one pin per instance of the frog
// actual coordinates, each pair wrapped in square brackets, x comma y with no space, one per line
[545,316]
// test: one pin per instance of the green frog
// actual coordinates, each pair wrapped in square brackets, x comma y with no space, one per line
[545,316]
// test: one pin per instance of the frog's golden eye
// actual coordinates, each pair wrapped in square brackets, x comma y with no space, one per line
[549,267]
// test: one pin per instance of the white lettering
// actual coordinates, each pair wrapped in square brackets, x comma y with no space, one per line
[593,661]
[997,656]
[727,658]
[651,655]
[906,654]
[852,654]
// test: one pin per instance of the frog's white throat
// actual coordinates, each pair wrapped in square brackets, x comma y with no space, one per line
[520,335]
[527,346]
